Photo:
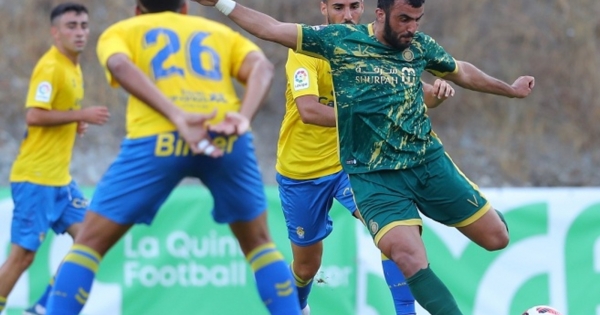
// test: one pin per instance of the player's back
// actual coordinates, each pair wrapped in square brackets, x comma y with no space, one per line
[192,60]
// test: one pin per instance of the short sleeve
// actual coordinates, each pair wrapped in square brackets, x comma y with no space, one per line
[241,47]
[312,40]
[302,76]
[43,86]
[439,62]
[112,42]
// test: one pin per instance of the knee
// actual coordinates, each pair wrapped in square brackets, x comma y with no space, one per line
[408,262]
[497,240]
[306,270]
[22,261]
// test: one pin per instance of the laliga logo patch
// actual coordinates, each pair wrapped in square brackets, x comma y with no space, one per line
[43,92]
[300,232]
[408,55]
[300,79]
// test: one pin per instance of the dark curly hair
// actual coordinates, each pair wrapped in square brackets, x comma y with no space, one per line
[63,8]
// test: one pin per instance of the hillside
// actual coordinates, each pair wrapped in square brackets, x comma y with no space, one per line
[551,138]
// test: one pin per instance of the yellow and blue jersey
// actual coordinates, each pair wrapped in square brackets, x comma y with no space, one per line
[190,59]
[45,154]
[306,151]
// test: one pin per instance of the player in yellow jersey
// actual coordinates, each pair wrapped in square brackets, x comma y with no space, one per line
[44,194]
[173,64]
[309,172]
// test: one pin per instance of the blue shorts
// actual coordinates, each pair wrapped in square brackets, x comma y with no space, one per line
[147,169]
[39,208]
[306,205]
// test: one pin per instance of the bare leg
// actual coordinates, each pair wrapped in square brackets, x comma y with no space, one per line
[307,260]
[99,233]
[73,230]
[17,262]
[403,244]
[78,270]
[251,234]
[488,231]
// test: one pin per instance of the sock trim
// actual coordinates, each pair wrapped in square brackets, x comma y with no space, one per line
[82,260]
[299,281]
[258,251]
[88,251]
[266,259]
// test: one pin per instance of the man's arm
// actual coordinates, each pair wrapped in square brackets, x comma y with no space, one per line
[259,24]
[139,85]
[96,115]
[191,127]
[256,72]
[314,113]
[470,77]
[436,94]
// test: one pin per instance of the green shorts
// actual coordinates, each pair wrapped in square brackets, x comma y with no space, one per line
[438,189]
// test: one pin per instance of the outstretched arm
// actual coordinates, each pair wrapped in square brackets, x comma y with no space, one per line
[470,77]
[256,23]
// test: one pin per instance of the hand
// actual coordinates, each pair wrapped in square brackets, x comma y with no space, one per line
[523,86]
[442,89]
[192,128]
[233,124]
[208,3]
[82,128]
[95,115]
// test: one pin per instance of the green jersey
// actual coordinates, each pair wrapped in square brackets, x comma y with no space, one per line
[381,113]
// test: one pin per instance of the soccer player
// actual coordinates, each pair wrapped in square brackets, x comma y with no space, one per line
[309,173]
[396,163]
[44,194]
[178,70]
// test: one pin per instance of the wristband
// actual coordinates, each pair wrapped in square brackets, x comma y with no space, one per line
[225,6]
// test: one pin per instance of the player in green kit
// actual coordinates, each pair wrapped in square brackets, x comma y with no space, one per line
[309,172]
[396,163]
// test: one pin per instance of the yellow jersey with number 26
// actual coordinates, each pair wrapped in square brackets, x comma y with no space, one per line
[192,60]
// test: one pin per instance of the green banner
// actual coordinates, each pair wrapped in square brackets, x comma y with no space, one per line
[186,264]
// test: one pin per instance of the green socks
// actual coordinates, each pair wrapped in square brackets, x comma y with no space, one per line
[432,294]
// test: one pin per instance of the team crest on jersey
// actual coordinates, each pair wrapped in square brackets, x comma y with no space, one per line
[300,232]
[408,55]
[301,79]
[374,227]
[43,92]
